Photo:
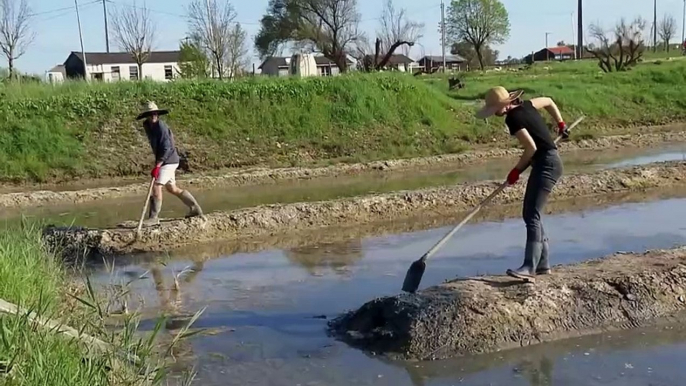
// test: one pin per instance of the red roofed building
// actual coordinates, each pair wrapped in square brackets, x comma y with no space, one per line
[553,53]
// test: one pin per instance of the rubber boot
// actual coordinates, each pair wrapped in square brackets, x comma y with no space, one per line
[543,267]
[191,203]
[153,213]
[532,254]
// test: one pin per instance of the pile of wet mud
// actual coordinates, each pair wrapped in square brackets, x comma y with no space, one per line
[274,219]
[268,176]
[492,313]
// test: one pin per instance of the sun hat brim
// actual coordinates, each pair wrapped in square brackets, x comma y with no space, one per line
[147,113]
[488,110]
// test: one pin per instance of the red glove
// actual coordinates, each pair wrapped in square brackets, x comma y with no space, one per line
[156,171]
[513,176]
[562,129]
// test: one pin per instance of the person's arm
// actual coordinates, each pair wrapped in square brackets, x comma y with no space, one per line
[549,105]
[166,145]
[529,149]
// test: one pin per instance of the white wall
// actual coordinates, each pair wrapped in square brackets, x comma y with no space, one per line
[54,77]
[153,71]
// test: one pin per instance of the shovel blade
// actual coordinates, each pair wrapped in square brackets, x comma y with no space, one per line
[414,276]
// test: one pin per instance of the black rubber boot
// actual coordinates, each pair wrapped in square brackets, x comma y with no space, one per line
[532,254]
[191,203]
[543,267]
[153,213]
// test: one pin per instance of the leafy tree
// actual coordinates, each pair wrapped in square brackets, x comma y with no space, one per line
[467,51]
[332,26]
[481,23]
[193,63]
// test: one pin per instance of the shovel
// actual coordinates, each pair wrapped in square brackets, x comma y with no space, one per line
[145,208]
[416,270]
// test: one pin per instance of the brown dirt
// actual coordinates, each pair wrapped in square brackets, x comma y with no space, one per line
[269,176]
[492,313]
[343,234]
[273,219]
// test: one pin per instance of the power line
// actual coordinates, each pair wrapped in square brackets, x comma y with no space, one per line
[60,10]
[116,4]
[67,12]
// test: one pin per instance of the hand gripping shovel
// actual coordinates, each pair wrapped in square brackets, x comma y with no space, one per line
[416,270]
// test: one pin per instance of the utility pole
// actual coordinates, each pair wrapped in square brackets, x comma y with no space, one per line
[443,32]
[107,34]
[547,51]
[580,32]
[683,25]
[83,52]
[654,25]
[571,16]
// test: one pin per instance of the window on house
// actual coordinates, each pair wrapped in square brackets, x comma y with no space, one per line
[116,75]
[133,72]
[325,71]
[168,72]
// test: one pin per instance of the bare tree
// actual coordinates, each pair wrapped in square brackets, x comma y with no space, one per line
[396,30]
[618,49]
[134,32]
[15,30]
[237,51]
[666,28]
[330,25]
[212,23]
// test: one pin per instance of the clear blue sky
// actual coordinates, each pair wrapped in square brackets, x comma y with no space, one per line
[57,32]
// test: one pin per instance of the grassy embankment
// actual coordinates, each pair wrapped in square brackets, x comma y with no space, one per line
[88,131]
[36,356]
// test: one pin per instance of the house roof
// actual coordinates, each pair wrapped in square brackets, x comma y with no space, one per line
[58,68]
[280,61]
[560,50]
[395,59]
[448,58]
[98,58]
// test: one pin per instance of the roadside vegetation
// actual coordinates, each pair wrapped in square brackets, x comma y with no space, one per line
[30,354]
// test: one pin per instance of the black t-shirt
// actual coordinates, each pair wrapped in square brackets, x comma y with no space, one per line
[527,117]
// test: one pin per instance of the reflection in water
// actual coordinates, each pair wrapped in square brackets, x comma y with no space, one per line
[335,255]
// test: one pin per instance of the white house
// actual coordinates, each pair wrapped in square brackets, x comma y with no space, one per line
[55,74]
[282,66]
[115,66]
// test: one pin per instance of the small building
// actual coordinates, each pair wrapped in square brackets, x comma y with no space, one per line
[115,66]
[281,66]
[452,62]
[397,62]
[551,53]
[56,74]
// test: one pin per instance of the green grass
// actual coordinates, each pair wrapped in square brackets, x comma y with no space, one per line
[33,279]
[57,133]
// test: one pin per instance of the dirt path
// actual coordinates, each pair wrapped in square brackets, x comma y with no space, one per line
[487,314]
[269,176]
[288,218]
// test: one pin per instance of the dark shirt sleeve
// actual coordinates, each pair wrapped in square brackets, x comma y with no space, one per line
[166,144]
[513,124]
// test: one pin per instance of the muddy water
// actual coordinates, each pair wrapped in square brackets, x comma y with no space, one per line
[108,213]
[268,310]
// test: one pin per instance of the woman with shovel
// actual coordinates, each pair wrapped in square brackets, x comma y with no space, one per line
[525,122]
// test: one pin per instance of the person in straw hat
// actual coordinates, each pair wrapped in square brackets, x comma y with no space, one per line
[525,122]
[166,162]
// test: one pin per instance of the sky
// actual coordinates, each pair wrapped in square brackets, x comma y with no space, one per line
[57,34]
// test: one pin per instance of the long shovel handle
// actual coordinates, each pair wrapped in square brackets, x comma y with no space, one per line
[482,204]
[145,206]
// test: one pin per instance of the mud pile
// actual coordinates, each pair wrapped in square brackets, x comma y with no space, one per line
[267,176]
[272,219]
[491,313]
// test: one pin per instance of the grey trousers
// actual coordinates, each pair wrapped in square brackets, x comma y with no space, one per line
[546,170]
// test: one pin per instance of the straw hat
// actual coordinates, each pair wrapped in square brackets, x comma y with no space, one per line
[148,108]
[497,98]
